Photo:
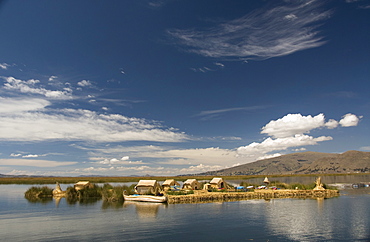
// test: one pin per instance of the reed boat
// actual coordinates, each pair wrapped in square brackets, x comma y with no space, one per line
[145,198]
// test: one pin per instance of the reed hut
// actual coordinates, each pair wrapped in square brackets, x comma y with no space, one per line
[217,183]
[191,184]
[82,185]
[148,187]
[167,184]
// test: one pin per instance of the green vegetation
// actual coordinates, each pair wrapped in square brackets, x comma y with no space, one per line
[38,192]
[107,192]
[182,192]
[115,193]
[219,190]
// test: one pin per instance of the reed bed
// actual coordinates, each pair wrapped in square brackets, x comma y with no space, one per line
[257,194]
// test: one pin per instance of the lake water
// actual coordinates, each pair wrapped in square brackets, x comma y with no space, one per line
[345,218]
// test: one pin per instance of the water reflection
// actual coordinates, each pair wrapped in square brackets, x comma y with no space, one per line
[112,204]
[298,221]
[346,218]
[39,199]
[145,211]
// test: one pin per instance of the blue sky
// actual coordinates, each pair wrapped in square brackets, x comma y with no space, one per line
[172,87]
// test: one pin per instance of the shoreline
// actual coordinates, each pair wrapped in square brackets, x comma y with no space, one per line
[123,179]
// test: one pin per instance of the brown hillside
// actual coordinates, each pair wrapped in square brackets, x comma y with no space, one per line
[285,164]
[348,162]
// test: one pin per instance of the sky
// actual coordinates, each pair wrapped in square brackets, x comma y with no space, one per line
[170,87]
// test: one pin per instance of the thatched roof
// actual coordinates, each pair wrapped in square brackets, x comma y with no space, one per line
[170,182]
[216,180]
[82,183]
[190,181]
[147,183]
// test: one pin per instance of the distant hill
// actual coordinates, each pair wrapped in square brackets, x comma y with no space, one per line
[302,163]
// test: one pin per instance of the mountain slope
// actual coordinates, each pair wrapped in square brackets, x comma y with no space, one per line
[350,161]
[302,163]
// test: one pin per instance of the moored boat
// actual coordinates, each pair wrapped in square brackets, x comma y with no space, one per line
[145,198]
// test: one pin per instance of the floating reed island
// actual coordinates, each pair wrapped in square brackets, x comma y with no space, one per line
[205,196]
[218,191]
[191,191]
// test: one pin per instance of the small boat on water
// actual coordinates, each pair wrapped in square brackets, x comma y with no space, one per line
[145,198]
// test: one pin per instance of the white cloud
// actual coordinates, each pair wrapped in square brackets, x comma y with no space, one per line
[219,64]
[209,114]
[207,156]
[35,122]
[29,86]
[52,78]
[16,105]
[290,17]
[293,124]
[331,124]
[34,163]
[30,156]
[261,34]
[349,120]
[291,131]
[269,144]
[299,149]
[125,158]
[15,155]
[200,168]
[84,83]
[4,66]
[269,156]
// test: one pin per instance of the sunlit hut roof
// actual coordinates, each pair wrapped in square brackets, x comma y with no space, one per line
[170,182]
[147,183]
[190,181]
[266,180]
[216,180]
[82,183]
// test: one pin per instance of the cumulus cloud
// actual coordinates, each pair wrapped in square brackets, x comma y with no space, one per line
[291,131]
[84,83]
[270,144]
[264,33]
[331,124]
[125,158]
[349,120]
[30,87]
[293,124]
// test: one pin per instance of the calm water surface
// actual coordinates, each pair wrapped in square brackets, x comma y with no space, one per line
[346,218]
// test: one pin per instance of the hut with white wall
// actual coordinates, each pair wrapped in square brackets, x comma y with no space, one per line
[217,183]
